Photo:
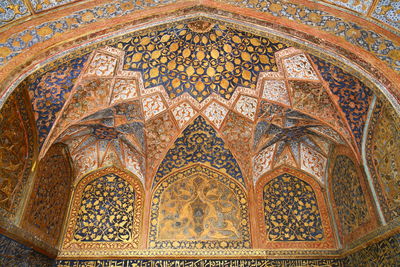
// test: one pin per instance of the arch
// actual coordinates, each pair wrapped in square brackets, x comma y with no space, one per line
[315,233]
[382,160]
[265,16]
[349,196]
[47,206]
[207,209]
[118,227]
[199,143]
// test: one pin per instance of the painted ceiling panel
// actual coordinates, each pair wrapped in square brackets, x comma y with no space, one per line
[287,137]
[199,143]
[11,10]
[388,11]
[114,136]
[121,110]
[49,92]
[353,97]
[200,58]
[360,6]
[41,5]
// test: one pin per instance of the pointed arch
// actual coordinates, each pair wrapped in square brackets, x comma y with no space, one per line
[199,143]
[47,206]
[198,207]
[350,198]
[382,149]
[307,223]
[108,204]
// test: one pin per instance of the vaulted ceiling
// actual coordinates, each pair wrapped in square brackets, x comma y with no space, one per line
[133,98]
[303,91]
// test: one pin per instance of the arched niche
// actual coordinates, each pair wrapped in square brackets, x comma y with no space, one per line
[382,158]
[292,211]
[106,212]
[17,152]
[199,208]
[349,195]
[47,206]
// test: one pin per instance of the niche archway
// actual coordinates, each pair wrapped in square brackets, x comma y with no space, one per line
[106,212]
[199,208]
[292,211]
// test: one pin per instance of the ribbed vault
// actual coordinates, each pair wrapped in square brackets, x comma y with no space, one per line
[202,136]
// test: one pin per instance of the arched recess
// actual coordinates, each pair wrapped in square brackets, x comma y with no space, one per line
[18,153]
[106,212]
[199,143]
[382,157]
[199,208]
[47,206]
[292,211]
[350,198]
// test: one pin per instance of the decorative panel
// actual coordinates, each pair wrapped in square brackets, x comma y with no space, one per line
[237,132]
[313,99]
[199,58]
[383,253]
[48,203]
[160,132]
[199,208]
[41,5]
[102,65]
[50,90]
[183,113]
[292,211]
[383,148]
[106,212]
[199,143]
[124,89]
[313,162]
[387,11]
[262,162]
[13,253]
[352,206]
[152,105]
[207,262]
[17,146]
[11,10]
[298,67]
[361,6]
[276,91]
[247,106]
[216,113]
[352,96]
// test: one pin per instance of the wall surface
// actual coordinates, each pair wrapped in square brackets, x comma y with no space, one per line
[13,253]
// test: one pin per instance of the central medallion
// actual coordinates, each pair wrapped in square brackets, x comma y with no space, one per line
[199,58]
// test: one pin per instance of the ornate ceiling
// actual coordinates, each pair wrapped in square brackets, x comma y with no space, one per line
[287,107]
[133,98]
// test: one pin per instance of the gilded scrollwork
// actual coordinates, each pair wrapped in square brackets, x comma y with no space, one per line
[200,60]
[383,148]
[199,208]
[17,142]
[106,212]
[291,211]
[351,201]
[47,206]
